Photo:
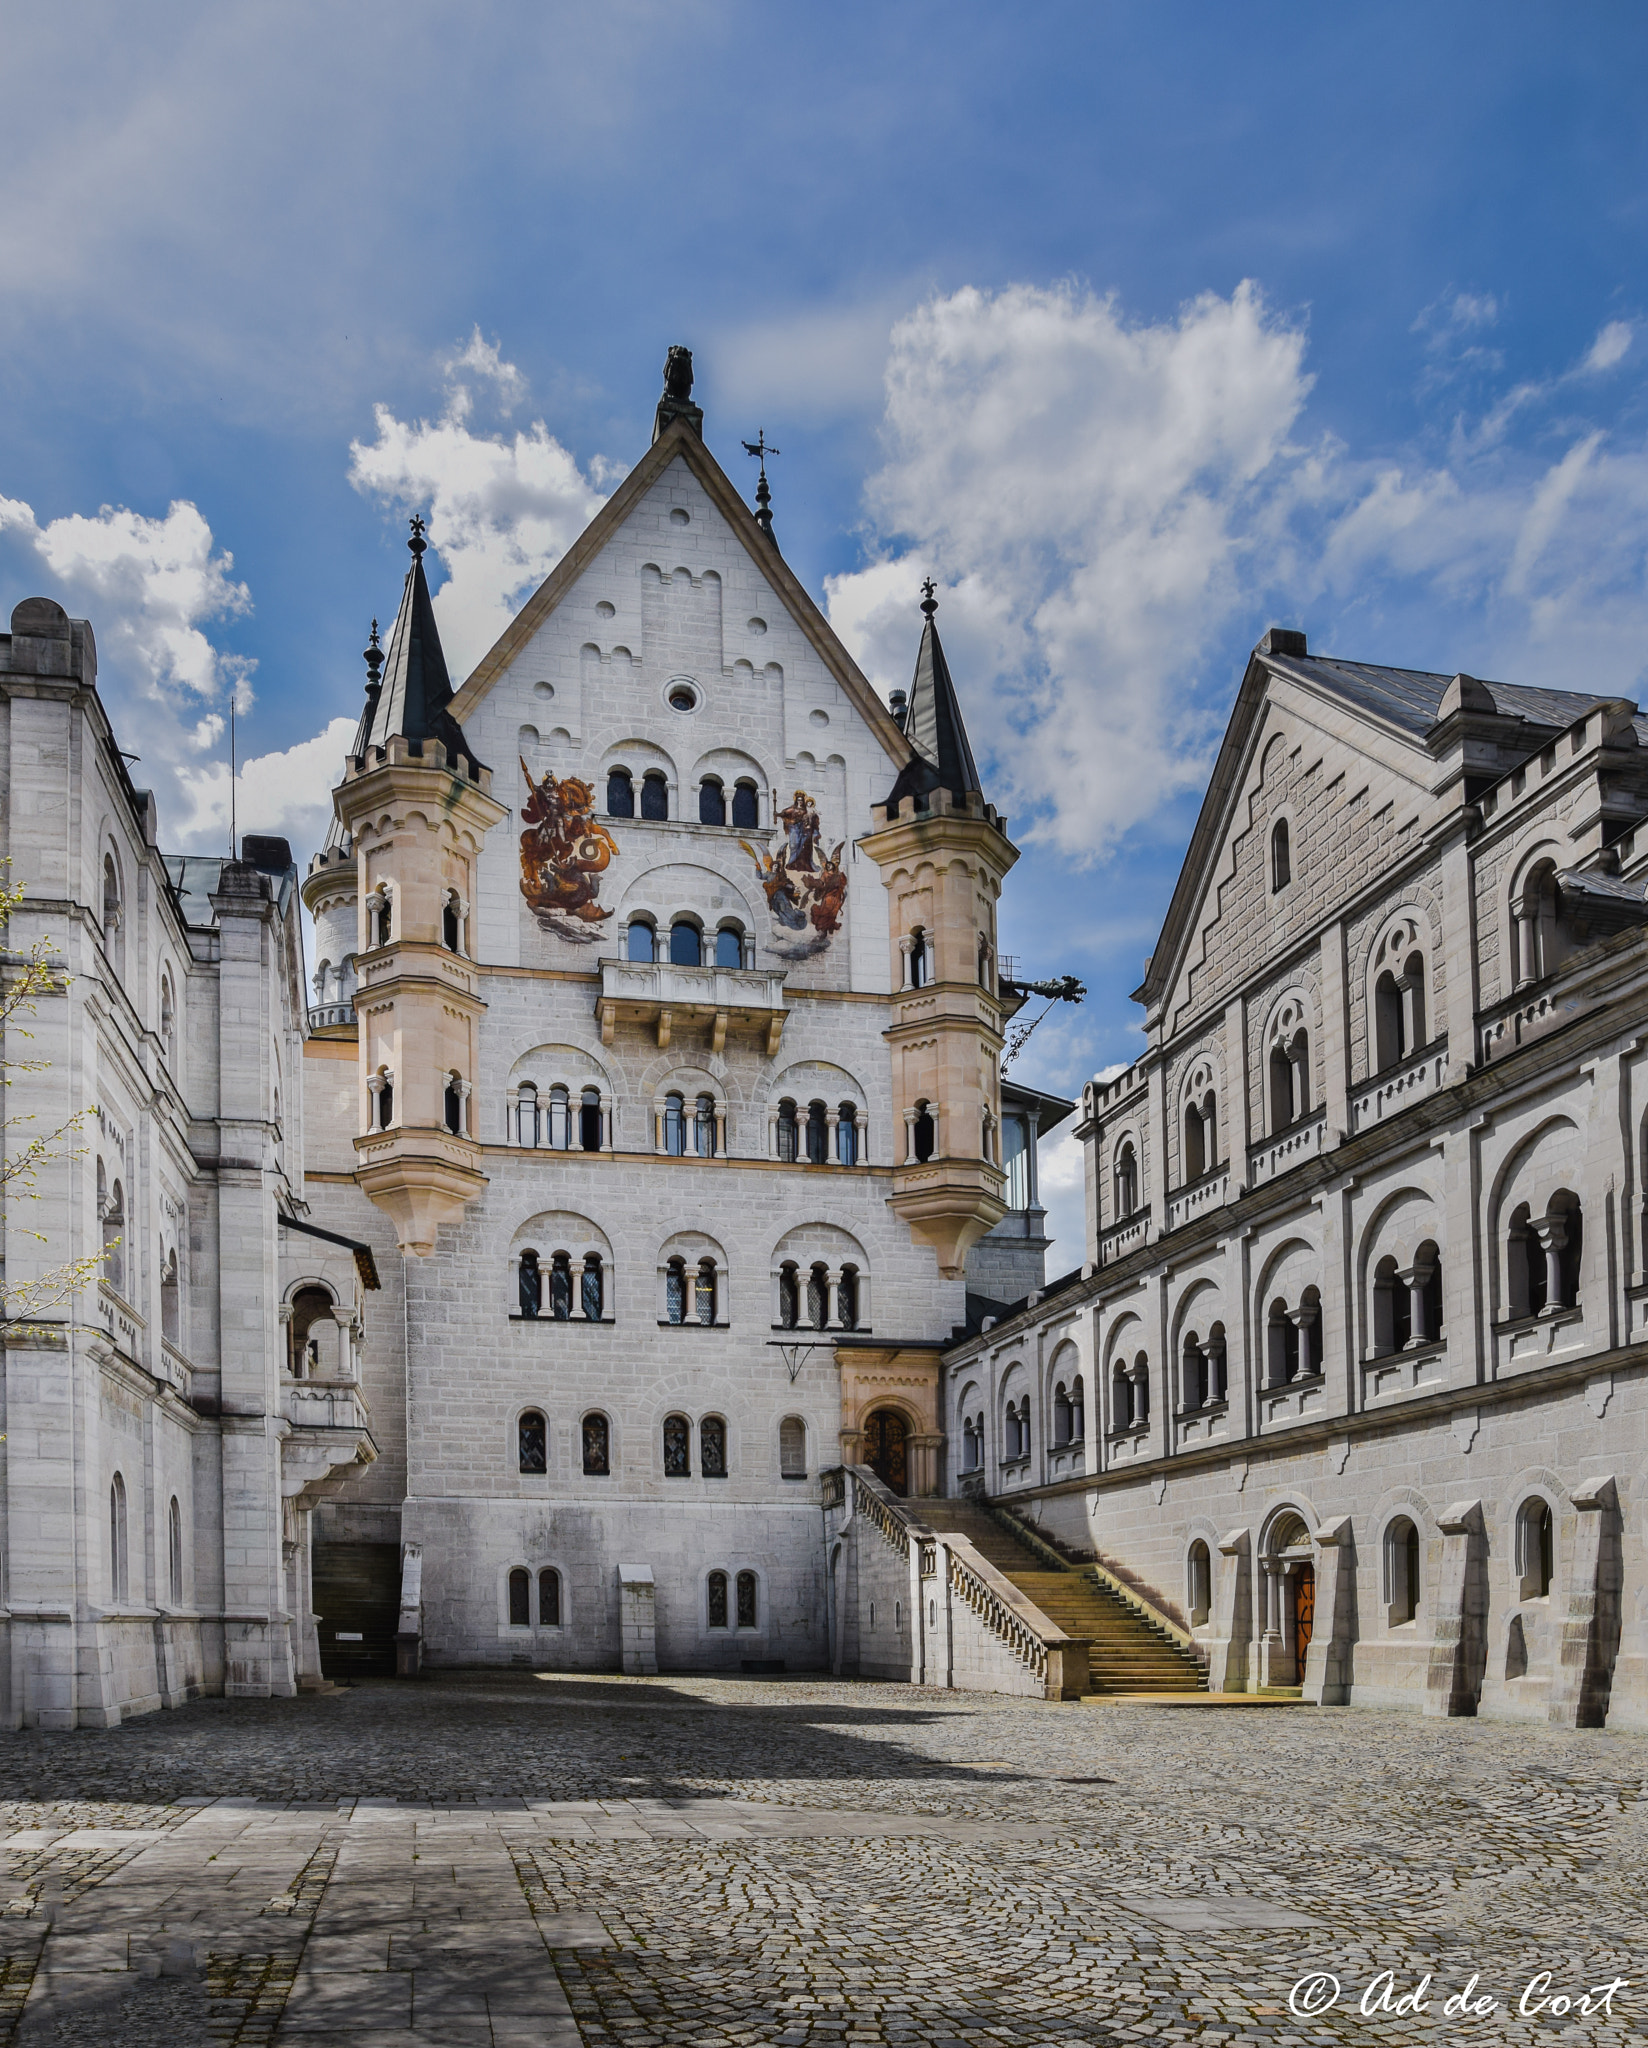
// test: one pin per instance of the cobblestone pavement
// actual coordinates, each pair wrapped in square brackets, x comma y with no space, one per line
[561,1861]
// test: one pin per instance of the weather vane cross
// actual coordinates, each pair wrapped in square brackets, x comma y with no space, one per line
[762,448]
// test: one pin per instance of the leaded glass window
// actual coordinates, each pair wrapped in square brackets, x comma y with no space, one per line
[533,1442]
[718,1599]
[746,1600]
[712,1447]
[677,1447]
[595,1435]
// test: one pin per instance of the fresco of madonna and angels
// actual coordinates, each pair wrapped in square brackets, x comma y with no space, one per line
[805,886]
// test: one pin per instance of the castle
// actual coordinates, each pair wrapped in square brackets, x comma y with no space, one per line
[622,1251]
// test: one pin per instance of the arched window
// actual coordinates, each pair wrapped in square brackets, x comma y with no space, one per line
[818,1134]
[549,1598]
[592,1290]
[311,1308]
[642,941]
[1192,1372]
[1078,1409]
[526,1115]
[620,793]
[847,1297]
[451,929]
[972,1443]
[745,810]
[1392,1308]
[453,1104]
[119,1583]
[654,796]
[1535,1548]
[703,1127]
[717,1602]
[818,1297]
[704,1291]
[1141,1391]
[712,802]
[1543,1257]
[531,1286]
[386,1099]
[520,1597]
[846,1134]
[1121,1396]
[174,1551]
[1537,933]
[729,946]
[792,1448]
[597,1443]
[1387,1020]
[921,960]
[983,961]
[1199,1582]
[1295,1339]
[113,1206]
[560,1120]
[789,1297]
[379,918]
[1401,1571]
[712,1447]
[675,1126]
[686,944]
[170,1321]
[1195,1143]
[1427,1263]
[746,1600]
[787,1130]
[1127,1181]
[1061,1416]
[923,1133]
[168,1021]
[560,1287]
[677,1447]
[1214,1353]
[589,1120]
[113,936]
[675,1291]
[532,1441]
[1281,857]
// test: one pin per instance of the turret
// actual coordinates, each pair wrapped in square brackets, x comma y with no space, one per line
[414,808]
[330,892]
[943,852]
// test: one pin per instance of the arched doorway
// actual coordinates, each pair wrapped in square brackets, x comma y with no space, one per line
[885,1434]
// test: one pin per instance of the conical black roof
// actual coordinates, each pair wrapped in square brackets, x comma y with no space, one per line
[943,759]
[416,686]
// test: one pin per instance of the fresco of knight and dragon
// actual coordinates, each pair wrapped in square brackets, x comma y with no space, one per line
[564,852]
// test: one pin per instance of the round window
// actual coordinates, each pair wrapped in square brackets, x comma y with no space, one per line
[683,697]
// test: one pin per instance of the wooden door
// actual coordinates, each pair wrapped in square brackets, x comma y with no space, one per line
[884,1449]
[1304,1611]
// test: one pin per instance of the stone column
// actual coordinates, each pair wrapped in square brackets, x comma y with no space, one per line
[1453,1680]
[1552,1233]
[512,1121]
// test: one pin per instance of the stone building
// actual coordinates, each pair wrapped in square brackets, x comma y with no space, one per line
[655,1052]
[159,1465]
[1352,1386]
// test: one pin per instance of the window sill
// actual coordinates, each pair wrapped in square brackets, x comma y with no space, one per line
[672,1477]
[802,1331]
[1299,1379]
[793,1478]
[1208,1408]
[1013,1465]
[568,1322]
[664,1323]
[1539,1319]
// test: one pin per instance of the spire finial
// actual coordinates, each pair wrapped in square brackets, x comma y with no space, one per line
[373,657]
[929,600]
[761,447]
[417,543]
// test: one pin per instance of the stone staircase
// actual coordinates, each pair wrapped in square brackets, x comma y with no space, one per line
[1130,1652]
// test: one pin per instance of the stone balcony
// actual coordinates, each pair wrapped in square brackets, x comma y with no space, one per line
[1387,1093]
[1209,1192]
[661,995]
[1124,1237]
[329,1438]
[1284,1150]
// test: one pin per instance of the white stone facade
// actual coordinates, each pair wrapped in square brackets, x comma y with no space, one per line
[1365,1307]
[157,1476]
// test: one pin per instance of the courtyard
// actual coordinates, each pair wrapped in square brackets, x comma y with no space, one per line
[516,1858]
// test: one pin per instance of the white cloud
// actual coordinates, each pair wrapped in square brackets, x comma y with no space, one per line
[1610,345]
[1105,502]
[502,508]
[288,792]
[148,585]
[1090,493]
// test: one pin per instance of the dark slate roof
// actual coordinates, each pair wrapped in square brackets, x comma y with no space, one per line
[1411,698]
[943,759]
[416,686]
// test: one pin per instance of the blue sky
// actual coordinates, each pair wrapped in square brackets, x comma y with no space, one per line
[1141,326]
